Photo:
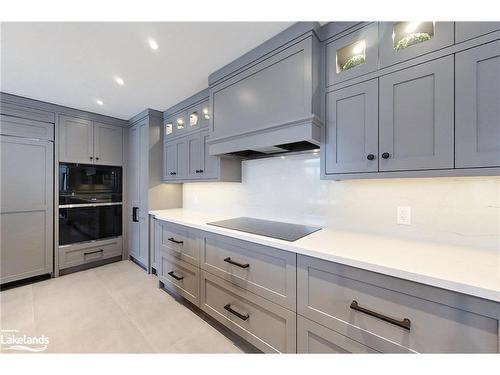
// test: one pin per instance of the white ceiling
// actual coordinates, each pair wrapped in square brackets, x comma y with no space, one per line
[74,64]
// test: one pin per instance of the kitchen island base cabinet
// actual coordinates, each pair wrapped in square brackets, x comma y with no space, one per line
[269,327]
[314,338]
[359,304]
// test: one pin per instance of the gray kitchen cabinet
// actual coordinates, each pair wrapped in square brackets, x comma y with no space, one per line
[401,41]
[108,144]
[313,338]
[268,326]
[351,129]
[89,142]
[138,246]
[215,167]
[76,140]
[181,242]
[195,155]
[477,108]
[352,55]
[176,161]
[467,30]
[26,202]
[394,315]
[416,123]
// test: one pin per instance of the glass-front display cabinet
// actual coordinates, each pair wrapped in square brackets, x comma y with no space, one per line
[404,40]
[352,55]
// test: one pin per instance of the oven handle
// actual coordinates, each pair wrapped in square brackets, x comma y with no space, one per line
[90,205]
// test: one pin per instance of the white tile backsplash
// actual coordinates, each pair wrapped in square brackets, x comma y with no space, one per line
[454,210]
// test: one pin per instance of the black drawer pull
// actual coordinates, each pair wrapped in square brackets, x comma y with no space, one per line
[172,239]
[94,252]
[228,260]
[239,315]
[405,323]
[172,273]
[134,214]
[173,173]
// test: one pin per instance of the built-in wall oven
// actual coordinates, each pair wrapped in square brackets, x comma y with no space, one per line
[90,202]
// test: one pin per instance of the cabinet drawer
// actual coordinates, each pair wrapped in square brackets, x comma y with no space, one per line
[314,338]
[326,292]
[352,55]
[268,326]
[181,277]
[78,254]
[262,270]
[401,41]
[181,242]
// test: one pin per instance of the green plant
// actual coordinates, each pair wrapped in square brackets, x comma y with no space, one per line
[411,39]
[353,61]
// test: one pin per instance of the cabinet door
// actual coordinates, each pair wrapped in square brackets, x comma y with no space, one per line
[416,117]
[477,95]
[133,191]
[26,208]
[143,193]
[76,140]
[195,150]
[170,160]
[210,163]
[401,41]
[351,141]
[468,30]
[108,144]
[314,338]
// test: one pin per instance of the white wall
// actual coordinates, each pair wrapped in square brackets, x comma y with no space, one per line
[463,211]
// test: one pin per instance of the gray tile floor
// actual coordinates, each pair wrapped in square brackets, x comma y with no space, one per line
[116,308]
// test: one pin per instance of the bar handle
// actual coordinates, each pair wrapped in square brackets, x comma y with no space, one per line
[172,273]
[404,323]
[134,214]
[234,312]
[172,239]
[228,260]
[94,252]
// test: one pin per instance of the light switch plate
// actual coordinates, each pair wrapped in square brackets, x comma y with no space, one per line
[404,215]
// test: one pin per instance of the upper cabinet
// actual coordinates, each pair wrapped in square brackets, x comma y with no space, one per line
[416,117]
[268,99]
[400,41]
[352,55]
[477,108]
[468,30]
[185,149]
[89,142]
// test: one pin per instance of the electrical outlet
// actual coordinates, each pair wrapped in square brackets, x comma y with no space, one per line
[404,215]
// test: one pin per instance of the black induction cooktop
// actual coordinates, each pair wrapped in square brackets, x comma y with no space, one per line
[268,228]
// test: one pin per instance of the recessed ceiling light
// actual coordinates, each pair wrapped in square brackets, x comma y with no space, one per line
[99,101]
[119,80]
[153,44]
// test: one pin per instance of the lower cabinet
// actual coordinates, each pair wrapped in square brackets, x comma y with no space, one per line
[267,326]
[180,277]
[89,252]
[314,338]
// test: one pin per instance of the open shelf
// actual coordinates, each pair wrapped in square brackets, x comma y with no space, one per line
[351,56]
[407,34]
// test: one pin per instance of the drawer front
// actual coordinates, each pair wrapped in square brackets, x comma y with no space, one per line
[181,242]
[268,326]
[78,254]
[326,292]
[181,277]
[314,338]
[262,270]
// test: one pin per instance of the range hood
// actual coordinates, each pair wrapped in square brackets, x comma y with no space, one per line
[296,136]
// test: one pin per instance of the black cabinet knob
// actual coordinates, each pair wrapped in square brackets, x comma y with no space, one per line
[385,155]
[97,158]
[172,173]
[91,157]
[370,156]
[201,170]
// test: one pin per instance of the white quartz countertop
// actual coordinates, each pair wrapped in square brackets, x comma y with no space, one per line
[468,270]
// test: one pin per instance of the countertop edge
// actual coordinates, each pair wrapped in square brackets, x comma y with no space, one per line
[475,291]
